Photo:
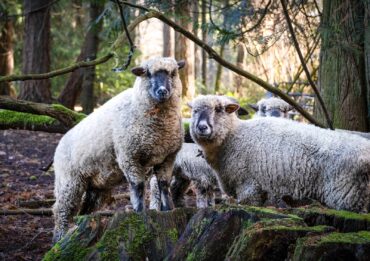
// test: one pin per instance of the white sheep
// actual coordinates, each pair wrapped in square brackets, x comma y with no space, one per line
[133,134]
[276,107]
[190,166]
[264,159]
[272,107]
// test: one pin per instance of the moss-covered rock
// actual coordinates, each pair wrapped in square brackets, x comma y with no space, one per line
[344,221]
[334,246]
[270,239]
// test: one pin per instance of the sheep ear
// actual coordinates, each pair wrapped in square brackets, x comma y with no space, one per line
[138,71]
[253,106]
[190,105]
[290,108]
[242,112]
[181,64]
[232,107]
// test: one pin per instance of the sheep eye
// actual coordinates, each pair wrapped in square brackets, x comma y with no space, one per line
[263,109]
[195,111]
[148,73]
[173,73]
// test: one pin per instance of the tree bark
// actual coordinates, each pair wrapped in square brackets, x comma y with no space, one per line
[184,49]
[6,55]
[167,43]
[204,39]
[367,55]
[238,80]
[219,70]
[36,50]
[197,49]
[342,74]
[92,44]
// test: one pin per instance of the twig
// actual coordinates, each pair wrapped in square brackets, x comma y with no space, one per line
[132,47]
[296,45]
[51,74]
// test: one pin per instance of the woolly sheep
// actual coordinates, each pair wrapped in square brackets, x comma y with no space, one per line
[133,134]
[191,167]
[275,107]
[263,159]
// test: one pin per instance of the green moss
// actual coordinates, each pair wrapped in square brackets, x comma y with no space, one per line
[68,250]
[13,117]
[186,126]
[361,237]
[340,213]
[173,234]
[53,254]
[132,232]
[76,116]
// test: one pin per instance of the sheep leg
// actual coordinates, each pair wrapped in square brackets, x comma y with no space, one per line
[155,194]
[66,206]
[94,199]
[178,186]
[164,172]
[251,194]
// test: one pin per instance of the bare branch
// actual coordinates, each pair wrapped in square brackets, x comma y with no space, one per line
[296,45]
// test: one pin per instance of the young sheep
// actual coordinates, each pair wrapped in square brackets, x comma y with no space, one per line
[275,107]
[133,134]
[264,159]
[191,167]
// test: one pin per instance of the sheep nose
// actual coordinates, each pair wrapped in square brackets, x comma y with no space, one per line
[162,91]
[203,128]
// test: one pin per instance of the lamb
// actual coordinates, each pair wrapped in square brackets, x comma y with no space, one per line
[191,167]
[134,134]
[261,160]
[275,107]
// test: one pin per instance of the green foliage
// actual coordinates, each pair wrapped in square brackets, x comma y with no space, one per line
[13,117]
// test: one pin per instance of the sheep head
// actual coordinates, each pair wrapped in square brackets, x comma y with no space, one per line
[160,77]
[212,118]
[272,107]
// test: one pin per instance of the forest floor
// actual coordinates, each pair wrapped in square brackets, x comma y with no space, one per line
[22,153]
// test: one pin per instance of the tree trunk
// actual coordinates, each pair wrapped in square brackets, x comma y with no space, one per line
[204,39]
[219,71]
[6,55]
[367,55]
[184,49]
[72,88]
[92,43]
[197,49]
[36,50]
[167,43]
[342,73]
[238,80]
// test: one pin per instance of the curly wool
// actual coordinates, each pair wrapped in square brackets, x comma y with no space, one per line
[124,138]
[275,157]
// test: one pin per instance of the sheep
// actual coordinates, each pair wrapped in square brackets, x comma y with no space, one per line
[134,134]
[263,159]
[191,167]
[275,107]
[272,107]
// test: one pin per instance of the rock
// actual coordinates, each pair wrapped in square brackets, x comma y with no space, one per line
[334,246]
[221,233]
[344,221]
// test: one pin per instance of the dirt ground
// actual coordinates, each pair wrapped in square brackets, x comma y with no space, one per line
[22,153]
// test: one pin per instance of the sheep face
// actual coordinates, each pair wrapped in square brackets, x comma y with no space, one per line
[160,76]
[210,115]
[272,107]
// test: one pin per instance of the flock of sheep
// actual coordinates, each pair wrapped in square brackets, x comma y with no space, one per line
[138,134]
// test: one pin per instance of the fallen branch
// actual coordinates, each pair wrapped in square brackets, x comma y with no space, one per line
[64,115]
[43,212]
